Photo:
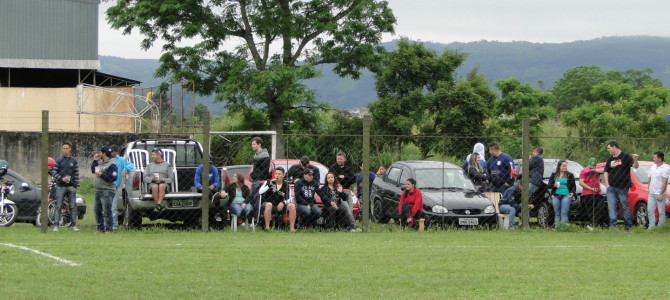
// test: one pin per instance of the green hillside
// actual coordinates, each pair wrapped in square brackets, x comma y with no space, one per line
[528,62]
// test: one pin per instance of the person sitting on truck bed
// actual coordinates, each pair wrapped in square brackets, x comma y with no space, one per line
[159,176]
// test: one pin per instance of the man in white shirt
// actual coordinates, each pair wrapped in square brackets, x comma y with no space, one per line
[658,181]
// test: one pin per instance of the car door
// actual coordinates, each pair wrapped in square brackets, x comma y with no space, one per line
[390,191]
[27,200]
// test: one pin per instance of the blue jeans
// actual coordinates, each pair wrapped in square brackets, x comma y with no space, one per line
[561,208]
[618,196]
[103,209]
[309,214]
[71,193]
[511,211]
[653,203]
[236,208]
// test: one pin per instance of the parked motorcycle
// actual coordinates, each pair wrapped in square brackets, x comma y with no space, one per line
[8,210]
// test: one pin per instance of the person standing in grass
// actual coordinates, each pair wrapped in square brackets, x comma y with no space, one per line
[658,181]
[500,167]
[477,173]
[125,168]
[66,176]
[410,206]
[106,172]
[589,180]
[344,174]
[617,181]
[563,189]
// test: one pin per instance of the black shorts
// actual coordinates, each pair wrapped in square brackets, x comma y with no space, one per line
[275,209]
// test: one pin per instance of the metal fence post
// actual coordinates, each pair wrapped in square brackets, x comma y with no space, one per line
[44,155]
[525,157]
[364,172]
[204,202]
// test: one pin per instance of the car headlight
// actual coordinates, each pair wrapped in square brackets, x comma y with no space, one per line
[489,209]
[80,199]
[439,209]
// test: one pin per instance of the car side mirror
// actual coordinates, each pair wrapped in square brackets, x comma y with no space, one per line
[25,187]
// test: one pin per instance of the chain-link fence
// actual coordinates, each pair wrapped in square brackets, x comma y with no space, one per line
[262,180]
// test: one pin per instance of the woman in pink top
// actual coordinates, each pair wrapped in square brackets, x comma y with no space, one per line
[589,180]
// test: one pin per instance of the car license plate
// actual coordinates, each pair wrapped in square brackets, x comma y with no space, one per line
[468,221]
[182,203]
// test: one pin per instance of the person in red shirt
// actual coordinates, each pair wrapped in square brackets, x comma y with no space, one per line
[589,180]
[411,203]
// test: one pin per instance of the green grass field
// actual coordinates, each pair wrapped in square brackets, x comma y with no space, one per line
[165,263]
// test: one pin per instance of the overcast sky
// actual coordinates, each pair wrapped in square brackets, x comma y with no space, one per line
[447,21]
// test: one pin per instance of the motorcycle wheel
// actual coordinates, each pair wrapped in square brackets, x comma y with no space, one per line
[8,217]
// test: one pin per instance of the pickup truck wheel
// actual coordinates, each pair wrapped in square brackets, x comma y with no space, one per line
[131,218]
[545,215]
[378,213]
[641,215]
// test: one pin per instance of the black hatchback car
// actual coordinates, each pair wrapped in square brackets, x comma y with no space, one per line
[449,197]
[27,198]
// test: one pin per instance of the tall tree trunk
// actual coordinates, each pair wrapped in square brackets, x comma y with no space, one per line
[277,124]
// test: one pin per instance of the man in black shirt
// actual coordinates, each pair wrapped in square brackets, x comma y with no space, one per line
[344,174]
[296,172]
[617,181]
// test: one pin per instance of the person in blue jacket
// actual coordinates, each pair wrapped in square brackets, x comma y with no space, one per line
[126,169]
[500,167]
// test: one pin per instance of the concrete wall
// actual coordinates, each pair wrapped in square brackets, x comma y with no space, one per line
[21,149]
[21,110]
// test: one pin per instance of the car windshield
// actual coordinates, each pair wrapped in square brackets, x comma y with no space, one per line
[442,179]
[573,167]
[642,173]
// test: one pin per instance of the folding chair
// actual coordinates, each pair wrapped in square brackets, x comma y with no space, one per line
[170,156]
[139,157]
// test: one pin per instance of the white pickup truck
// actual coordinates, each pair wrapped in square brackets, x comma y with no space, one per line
[183,202]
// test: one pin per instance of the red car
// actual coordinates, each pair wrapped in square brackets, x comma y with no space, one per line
[638,193]
[323,170]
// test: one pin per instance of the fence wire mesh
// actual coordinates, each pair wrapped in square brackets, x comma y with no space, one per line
[292,182]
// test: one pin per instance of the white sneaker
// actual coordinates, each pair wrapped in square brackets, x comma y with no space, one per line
[589,228]
[355,230]
[74,228]
[55,228]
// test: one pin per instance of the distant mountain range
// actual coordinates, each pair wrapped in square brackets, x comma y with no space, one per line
[539,64]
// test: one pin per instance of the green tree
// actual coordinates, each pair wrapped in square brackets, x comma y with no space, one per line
[276,45]
[419,96]
[520,101]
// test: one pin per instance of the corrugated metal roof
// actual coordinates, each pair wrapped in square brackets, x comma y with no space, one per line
[56,33]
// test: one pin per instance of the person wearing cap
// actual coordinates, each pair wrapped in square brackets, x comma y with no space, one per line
[305,191]
[589,180]
[159,176]
[214,185]
[66,176]
[106,172]
[126,168]
[296,172]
